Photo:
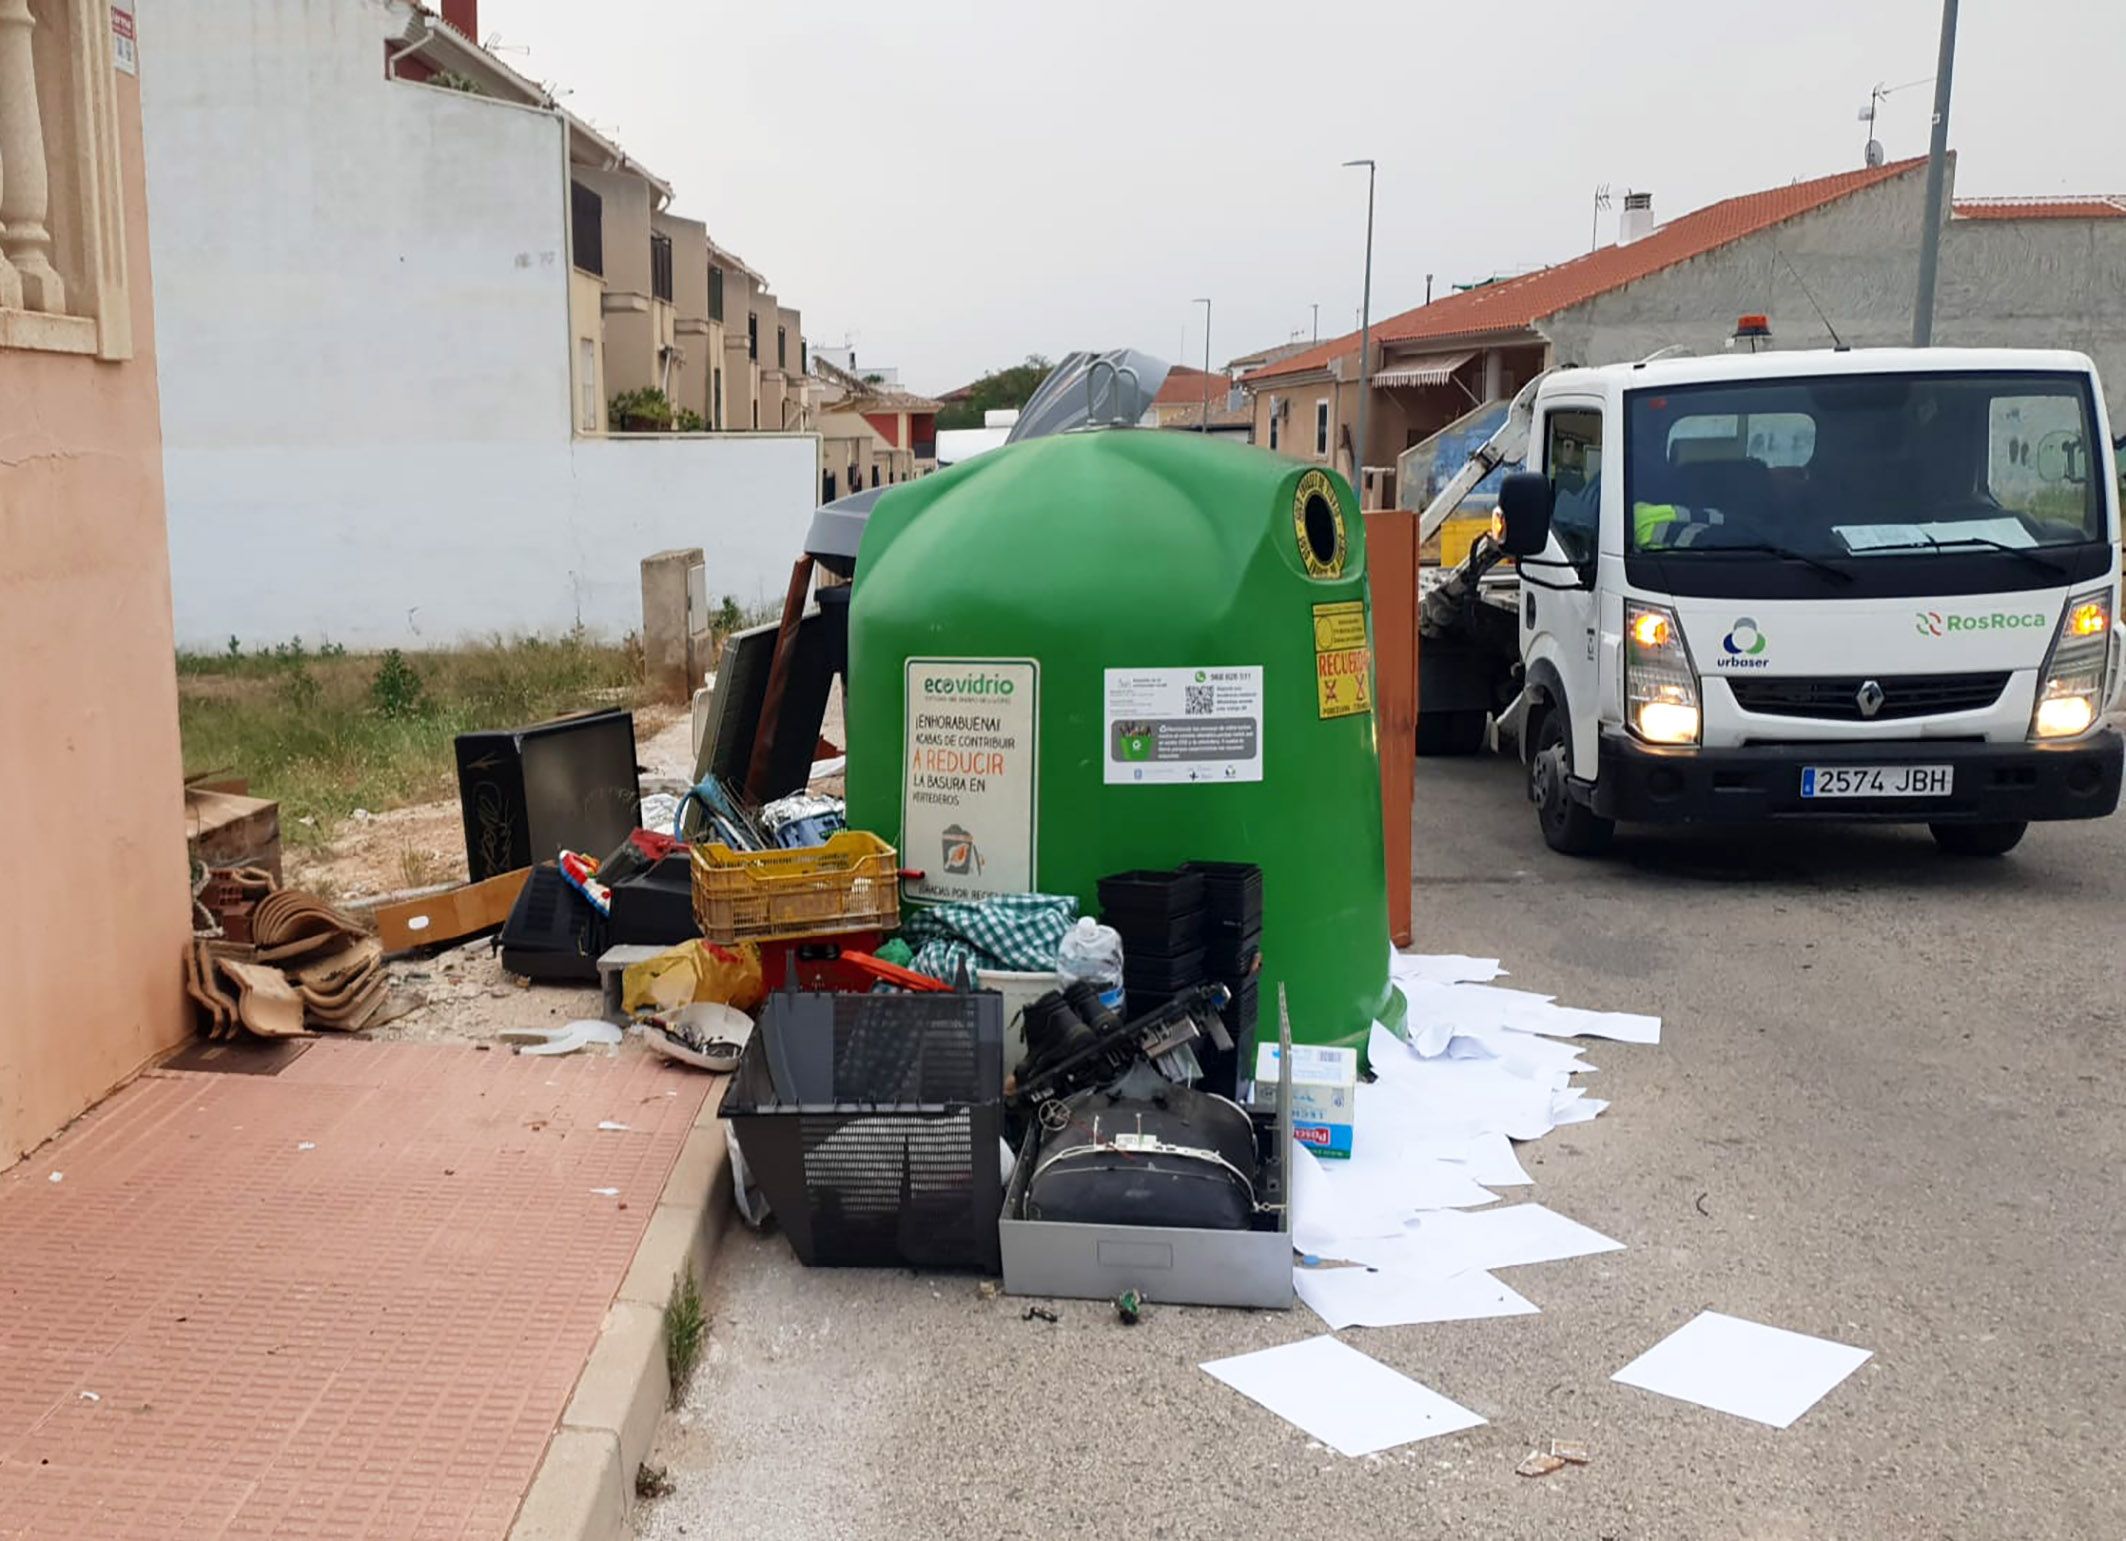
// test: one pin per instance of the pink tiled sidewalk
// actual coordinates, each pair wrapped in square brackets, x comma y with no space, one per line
[207,1329]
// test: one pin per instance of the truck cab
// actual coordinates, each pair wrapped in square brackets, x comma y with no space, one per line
[1853,585]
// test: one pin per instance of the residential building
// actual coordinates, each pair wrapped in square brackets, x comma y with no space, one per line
[2039,273]
[871,434]
[392,338]
[1183,396]
[91,777]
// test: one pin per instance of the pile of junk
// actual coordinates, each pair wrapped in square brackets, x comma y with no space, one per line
[1105,866]
[1110,847]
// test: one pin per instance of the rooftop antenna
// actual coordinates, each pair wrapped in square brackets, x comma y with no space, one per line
[1872,155]
[1594,225]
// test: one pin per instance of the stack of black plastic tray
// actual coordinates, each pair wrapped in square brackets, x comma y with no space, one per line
[1159,916]
[1232,948]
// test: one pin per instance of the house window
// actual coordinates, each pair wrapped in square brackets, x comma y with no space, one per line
[874,473]
[716,400]
[586,225]
[826,486]
[756,414]
[63,281]
[1273,422]
[661,268]
[587,383]
[715,292]
[1321,427]
[753,338]
[782,348]
[804,362]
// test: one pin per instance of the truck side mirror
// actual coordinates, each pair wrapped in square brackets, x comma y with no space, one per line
[1521,524]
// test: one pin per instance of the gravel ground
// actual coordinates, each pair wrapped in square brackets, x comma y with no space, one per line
[1882,1112]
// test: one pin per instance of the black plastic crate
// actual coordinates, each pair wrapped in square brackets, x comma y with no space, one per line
[1143,894]
[1162,936]
[1232,957]
[553,933]
[871,1125]
[1150,975]
[1232,891]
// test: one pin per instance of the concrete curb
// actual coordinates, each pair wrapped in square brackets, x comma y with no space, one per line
[585,1486]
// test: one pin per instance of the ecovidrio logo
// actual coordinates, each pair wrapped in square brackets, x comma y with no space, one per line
[1743,646]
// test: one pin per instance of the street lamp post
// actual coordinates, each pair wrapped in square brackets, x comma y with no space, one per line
[1937,168]
[1365,342]
[1205,426]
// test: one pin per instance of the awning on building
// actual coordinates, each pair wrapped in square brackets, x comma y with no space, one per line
[1423,369]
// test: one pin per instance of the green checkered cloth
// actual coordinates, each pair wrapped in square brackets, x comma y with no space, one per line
[1019,932]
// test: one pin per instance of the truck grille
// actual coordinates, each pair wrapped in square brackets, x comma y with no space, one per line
[1836,698]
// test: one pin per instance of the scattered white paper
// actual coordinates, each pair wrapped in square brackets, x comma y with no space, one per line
[1366,1297]
[610,1126]
[1512,1236]
[306,1145]
[90,1396]
[1352,1403]
[607,1193]
[57,1177]
[1489,1158]
[1765,1374]
[1442,968]
[1577,1108]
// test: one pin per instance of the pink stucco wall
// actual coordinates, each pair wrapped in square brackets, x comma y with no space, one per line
[94,912]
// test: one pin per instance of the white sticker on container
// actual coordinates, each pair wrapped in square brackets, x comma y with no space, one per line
[968,786]
[1183,726]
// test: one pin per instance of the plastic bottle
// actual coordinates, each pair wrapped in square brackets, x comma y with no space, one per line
[1092,952]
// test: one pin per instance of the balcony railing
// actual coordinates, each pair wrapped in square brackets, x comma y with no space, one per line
[661,268]
[586,217]
[60,170]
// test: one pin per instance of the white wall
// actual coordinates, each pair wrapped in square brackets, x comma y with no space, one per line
[361,292]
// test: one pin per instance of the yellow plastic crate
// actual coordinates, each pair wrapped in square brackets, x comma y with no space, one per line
[852,883]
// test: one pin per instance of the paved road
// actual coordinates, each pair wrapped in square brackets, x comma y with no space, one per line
[1886,1110]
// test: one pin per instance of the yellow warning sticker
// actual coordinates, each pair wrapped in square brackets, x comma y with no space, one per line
[1340,627]
[1343,678]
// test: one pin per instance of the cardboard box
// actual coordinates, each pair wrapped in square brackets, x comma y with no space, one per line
[1166,1265]
[228,829]
[1324,1095]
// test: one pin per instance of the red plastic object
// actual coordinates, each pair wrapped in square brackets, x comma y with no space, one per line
[894,974]
[819,962]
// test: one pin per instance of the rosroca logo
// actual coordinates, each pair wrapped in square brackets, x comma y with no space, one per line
[1932,623]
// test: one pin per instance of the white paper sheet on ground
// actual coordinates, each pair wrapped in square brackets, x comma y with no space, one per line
[1350,1402]
[1453,1241]
[1575,1108]
[1488,1157]
[1442,968]
[1364,1297]
[1477,1009]
[1766,1374]
[1395,1185]
[1448,1098]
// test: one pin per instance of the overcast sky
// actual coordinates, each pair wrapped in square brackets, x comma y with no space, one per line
[951,185]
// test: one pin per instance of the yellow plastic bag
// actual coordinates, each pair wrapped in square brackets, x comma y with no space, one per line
[695,971]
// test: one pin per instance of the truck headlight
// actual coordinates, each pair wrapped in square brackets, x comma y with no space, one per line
[2071,691]
[1660,686]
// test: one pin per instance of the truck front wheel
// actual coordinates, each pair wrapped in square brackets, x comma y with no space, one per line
[1977,839]
[1569,825]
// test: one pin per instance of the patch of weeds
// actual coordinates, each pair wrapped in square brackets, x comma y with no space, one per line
[686,1327]
[652,1482]
[422,869]
[396,688]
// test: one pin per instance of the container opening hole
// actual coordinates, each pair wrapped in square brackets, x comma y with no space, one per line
[1320,525]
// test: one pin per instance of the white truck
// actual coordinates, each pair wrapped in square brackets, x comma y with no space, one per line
[1857,584]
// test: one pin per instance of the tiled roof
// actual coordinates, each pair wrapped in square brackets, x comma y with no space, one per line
[2092,206]
[1185,384]
[1515,304]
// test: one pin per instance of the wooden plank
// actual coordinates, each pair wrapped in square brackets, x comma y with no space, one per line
[1391,578]
[451,916]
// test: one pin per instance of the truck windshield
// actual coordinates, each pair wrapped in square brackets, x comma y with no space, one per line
[1848,467]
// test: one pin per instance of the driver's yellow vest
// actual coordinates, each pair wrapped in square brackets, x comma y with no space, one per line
[1650,521]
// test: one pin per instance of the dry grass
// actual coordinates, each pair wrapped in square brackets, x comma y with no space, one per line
[326,731]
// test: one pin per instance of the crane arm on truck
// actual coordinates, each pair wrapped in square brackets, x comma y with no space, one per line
[1509,444]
